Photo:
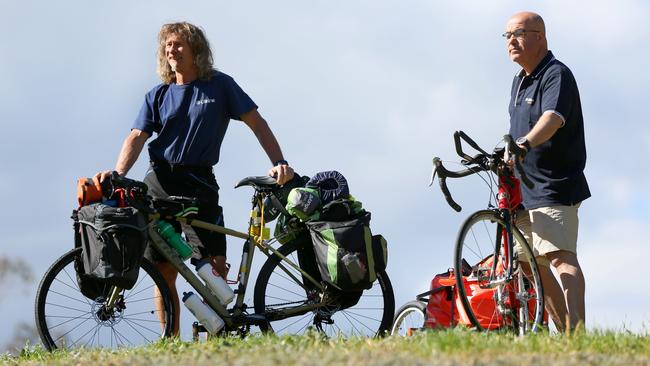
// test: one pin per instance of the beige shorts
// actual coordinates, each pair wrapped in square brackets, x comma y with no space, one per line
[549,229]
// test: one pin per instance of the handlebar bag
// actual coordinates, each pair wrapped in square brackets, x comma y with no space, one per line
[113,240]
[343,251]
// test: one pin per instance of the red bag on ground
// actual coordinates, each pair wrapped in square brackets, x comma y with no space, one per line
[441,310]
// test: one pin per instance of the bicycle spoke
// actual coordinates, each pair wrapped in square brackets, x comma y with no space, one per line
[277,298]
[303,328]
[140,280]
[66,307]
[349,321]
[69,297]
[83,335]
[76,289]
[147,299]
[361,316]
[76,285]
[70,320]
[119,337]
[131,293]
[130,324]
[302,317]
[284,289]
[95,335]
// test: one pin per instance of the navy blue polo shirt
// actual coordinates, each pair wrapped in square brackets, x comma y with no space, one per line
[191,119]
[556,166]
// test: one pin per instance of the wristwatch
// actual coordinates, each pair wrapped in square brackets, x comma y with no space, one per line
[523,141]
[281,162]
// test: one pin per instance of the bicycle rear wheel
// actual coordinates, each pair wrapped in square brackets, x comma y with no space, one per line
[67,319]
[275,291]
[411,316]
[492,300]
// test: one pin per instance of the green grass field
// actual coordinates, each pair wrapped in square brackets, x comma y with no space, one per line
[453,347]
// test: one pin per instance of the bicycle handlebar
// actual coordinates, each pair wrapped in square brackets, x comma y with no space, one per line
[443,173]
[481,162]
[519,155]
[135,192]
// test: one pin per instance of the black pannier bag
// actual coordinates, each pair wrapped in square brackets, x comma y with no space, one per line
[113,240]
[343,250]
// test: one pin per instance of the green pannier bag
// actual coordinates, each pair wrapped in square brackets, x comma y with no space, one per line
[347,254]
[288,228]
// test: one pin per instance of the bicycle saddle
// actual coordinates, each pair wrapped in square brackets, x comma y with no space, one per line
[259,182]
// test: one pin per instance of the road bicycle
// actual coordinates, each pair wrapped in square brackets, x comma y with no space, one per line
[286,300]
[495,275]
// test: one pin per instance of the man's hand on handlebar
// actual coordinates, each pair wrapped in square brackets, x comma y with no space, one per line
[103,175]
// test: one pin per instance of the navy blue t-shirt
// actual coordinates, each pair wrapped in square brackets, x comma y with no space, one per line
[556,166]
[191,119]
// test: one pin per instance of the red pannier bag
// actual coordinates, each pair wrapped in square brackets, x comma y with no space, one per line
[482,302]
[441,309]
[445,308]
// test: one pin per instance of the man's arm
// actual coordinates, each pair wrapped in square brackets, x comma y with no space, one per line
[544,129]
[253,119]
[131,149]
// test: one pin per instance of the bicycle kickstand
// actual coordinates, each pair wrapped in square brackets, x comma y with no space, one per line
[196,329]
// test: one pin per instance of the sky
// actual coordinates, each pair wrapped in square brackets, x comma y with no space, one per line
[373,89]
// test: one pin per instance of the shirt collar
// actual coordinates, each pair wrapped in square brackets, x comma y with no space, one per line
[546,62]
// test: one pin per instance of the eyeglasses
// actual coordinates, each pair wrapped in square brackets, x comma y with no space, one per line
[518,33]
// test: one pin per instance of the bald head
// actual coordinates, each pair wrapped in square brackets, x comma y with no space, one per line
[529,20]
[526,39]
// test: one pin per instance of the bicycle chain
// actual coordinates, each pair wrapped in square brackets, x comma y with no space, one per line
[287,303]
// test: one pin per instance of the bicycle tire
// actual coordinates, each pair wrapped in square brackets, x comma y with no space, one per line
[346,322]
[66,319]
[410,316]
[499,307]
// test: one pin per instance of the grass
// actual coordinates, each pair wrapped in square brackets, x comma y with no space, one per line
[451,347]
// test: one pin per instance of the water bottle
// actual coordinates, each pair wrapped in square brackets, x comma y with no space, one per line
[174,239]
[203,313]
[215,282]
[354,266]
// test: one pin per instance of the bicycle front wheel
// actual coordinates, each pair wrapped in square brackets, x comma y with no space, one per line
[66,319]
[492,299]
[410,317]
[367,314]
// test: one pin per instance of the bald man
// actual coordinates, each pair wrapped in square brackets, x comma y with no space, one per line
[546,119]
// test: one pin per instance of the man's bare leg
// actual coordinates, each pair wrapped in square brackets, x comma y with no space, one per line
[573,282]
[169,273]
[553,298]
[553,295]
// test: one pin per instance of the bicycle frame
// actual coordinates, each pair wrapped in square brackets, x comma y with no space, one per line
[255,238]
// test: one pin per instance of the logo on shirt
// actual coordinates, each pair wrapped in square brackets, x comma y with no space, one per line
[205,101]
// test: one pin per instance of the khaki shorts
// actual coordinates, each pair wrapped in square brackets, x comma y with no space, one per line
[549,229]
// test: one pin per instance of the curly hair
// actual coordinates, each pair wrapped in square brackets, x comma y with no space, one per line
[200,46]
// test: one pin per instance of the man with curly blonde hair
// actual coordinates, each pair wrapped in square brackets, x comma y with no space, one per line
[190,112]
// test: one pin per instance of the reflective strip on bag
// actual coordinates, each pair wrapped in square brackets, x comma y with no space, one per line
[367,236]
[332,254]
